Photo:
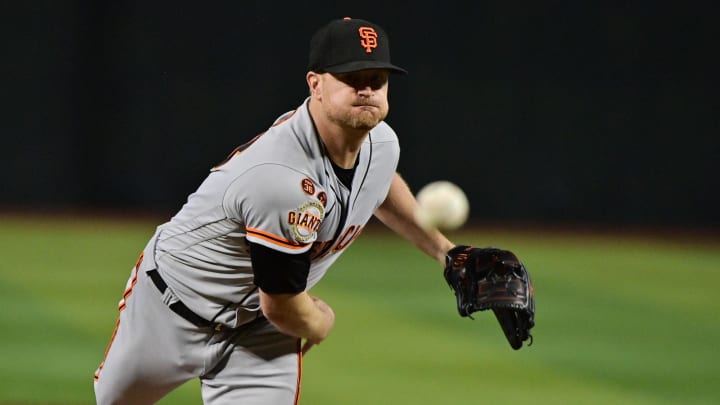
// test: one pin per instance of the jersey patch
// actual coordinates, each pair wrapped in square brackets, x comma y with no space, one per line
[305,221]
[308,186]
[322,196]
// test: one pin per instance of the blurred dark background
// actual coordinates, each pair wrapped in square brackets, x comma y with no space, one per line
[558,112]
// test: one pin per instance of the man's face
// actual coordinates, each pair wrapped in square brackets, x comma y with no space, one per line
[357,99]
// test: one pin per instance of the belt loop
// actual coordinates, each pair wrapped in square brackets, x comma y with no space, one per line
[178,306]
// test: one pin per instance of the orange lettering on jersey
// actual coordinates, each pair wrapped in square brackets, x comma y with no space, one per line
[347,237]
[309,221]
[368,38]
[320,249]
[313,222]
[305,221]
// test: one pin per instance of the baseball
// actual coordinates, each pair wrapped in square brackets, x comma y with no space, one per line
[442,205]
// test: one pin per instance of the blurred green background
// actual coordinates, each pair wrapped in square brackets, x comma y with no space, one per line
[621,318]
[560,113]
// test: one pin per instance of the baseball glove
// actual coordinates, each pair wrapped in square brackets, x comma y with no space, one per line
[491,278]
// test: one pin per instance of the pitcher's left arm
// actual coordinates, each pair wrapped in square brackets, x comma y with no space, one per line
[397,213]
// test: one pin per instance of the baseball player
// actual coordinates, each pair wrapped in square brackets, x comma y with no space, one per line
[221,291]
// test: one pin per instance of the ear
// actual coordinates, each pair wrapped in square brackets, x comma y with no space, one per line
[313,80]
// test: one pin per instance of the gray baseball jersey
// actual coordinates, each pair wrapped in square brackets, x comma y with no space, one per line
[279,191]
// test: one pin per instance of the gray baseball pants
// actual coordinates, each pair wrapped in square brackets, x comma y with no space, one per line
[154,350]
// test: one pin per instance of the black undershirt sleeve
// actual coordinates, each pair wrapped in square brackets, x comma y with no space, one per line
[277,272]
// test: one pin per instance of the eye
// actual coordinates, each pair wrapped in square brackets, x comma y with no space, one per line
[360,80]
[378,80]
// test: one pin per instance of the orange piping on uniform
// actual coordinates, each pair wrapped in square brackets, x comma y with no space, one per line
[238,150]
[274,239]
[247,144]
[285,118]
[121,307]
[299,378]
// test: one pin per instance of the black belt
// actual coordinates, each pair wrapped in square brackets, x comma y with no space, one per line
[181,309]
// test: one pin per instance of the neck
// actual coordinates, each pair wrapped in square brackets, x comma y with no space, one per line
[342,144]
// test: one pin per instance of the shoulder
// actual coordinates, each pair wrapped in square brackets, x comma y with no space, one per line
[272,181]
[384,143]
[279,206]
[383,133]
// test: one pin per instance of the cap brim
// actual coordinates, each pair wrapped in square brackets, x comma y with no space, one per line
[364,65]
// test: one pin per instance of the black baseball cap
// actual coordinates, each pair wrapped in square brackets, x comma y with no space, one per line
[349,45]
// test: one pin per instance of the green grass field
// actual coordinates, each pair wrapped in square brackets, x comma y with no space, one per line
[620,319]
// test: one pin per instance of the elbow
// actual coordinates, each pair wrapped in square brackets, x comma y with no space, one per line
[281,320]
[274,315]
[297,315]
[283,312]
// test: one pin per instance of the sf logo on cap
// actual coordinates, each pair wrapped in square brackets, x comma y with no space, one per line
[369,38]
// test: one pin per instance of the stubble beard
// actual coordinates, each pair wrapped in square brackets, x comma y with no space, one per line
[363,121]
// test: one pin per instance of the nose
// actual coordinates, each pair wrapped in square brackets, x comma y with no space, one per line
[365,91]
